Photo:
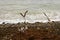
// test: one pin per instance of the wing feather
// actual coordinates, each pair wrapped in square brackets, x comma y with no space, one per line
[21,14]
[25,13]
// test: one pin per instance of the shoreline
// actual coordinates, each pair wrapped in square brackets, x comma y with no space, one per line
[17,21]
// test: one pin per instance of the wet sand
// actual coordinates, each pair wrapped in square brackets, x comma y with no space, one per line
[30,31]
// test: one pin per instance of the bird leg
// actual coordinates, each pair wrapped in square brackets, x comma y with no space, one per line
[24,19]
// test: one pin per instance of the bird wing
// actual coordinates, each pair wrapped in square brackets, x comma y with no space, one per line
[46,16]
[21,14]
[25,13]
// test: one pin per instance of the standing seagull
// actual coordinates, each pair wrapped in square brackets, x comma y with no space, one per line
[24,15]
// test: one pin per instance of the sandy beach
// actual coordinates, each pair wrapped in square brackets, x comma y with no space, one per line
[29,19]
[30,31]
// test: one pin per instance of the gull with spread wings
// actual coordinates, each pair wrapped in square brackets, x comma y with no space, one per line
[24,15]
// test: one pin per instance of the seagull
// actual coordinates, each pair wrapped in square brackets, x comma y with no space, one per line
[46,16]
[23,15]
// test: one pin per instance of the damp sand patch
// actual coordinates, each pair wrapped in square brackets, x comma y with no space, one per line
[27,31]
